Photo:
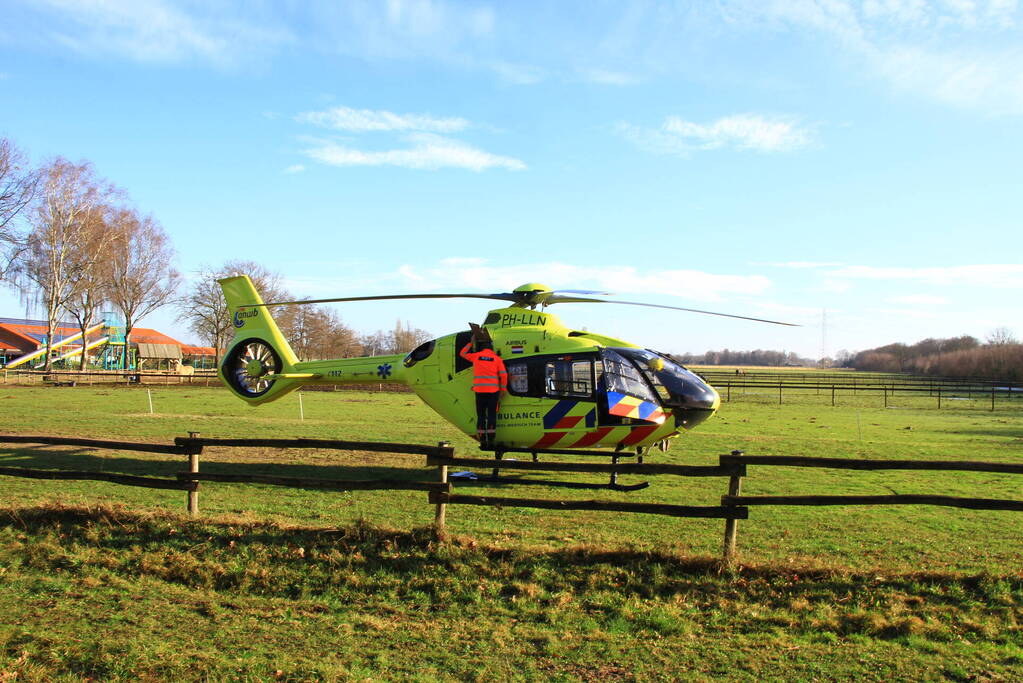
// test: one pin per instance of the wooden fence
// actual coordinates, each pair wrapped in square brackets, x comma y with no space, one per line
[938,392]
[192,447]
[733,507]
[737,458]
[105,377]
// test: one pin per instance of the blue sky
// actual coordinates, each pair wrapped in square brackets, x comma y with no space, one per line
[771,159]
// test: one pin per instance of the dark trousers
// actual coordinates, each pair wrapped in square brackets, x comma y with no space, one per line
[486,416]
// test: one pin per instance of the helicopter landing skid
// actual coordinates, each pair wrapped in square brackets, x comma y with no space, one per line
[613,484]
[490,479]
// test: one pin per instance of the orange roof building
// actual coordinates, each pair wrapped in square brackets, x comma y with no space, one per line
[19,337]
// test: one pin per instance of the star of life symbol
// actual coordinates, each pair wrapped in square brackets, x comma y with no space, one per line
[384,371]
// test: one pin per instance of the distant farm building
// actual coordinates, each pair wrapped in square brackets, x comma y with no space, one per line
[23,345]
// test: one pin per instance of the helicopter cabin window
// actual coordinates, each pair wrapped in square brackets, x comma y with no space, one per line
[553,376]
[569,378]
[518,378]
[421,352]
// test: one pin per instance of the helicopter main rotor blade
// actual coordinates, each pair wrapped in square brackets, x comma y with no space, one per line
[578,299]
[580,291]
[501,296]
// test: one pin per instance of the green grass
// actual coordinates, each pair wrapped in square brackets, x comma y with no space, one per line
[109,582]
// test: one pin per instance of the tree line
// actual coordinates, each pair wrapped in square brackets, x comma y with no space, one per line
[999,356]
[73,244]
[759,357]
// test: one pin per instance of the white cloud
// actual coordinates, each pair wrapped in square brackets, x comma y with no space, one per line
[741,132]
[835,286]
[431,17]
[904,313]
[805,264]
[171,31]
[518,74]
[919,299]
[973,78]
[369,120]
[427,152]
[153,31]
[606,77]
[460,261]
[1001,276]
[960,52]
[294,168]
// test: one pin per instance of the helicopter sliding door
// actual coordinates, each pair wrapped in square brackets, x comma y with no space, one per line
[552,399]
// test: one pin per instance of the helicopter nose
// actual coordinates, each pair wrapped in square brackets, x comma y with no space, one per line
[701,401]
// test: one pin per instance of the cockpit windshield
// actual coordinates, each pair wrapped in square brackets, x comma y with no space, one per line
[675,385]
[623,377]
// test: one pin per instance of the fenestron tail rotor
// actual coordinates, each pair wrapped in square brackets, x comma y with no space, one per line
[249,365]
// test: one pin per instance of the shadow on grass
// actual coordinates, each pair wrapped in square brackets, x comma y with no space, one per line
[84,459]
[245,557]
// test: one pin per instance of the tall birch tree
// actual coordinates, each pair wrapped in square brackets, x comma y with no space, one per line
[142,275]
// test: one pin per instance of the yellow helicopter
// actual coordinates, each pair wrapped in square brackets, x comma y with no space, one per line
[567,389]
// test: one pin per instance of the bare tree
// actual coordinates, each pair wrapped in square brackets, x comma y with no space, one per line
[203,306]
[319,334]
[1001,336]
[18,184]
[91,288]
[405,338]
[142,278]
[375,344]
[57,248]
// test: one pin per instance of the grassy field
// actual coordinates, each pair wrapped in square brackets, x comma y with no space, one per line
[108,582]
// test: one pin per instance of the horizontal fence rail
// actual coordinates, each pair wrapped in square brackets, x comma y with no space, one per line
[723,470]
[862,464]
[125,479]
[851,377]
[175,449]
[312,482]
[327,444]
[719,512]
[898,499]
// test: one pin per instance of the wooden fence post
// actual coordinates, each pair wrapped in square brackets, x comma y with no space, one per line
[732,525]
[832,395]
[992,398]
[193,466]
[440,516]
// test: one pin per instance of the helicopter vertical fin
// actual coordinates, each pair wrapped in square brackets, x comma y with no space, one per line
[259,358]
[239,292]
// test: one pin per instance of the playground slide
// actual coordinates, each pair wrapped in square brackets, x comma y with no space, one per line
[78,351]
[42,352]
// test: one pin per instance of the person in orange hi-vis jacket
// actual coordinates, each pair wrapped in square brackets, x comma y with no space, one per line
[489,379]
